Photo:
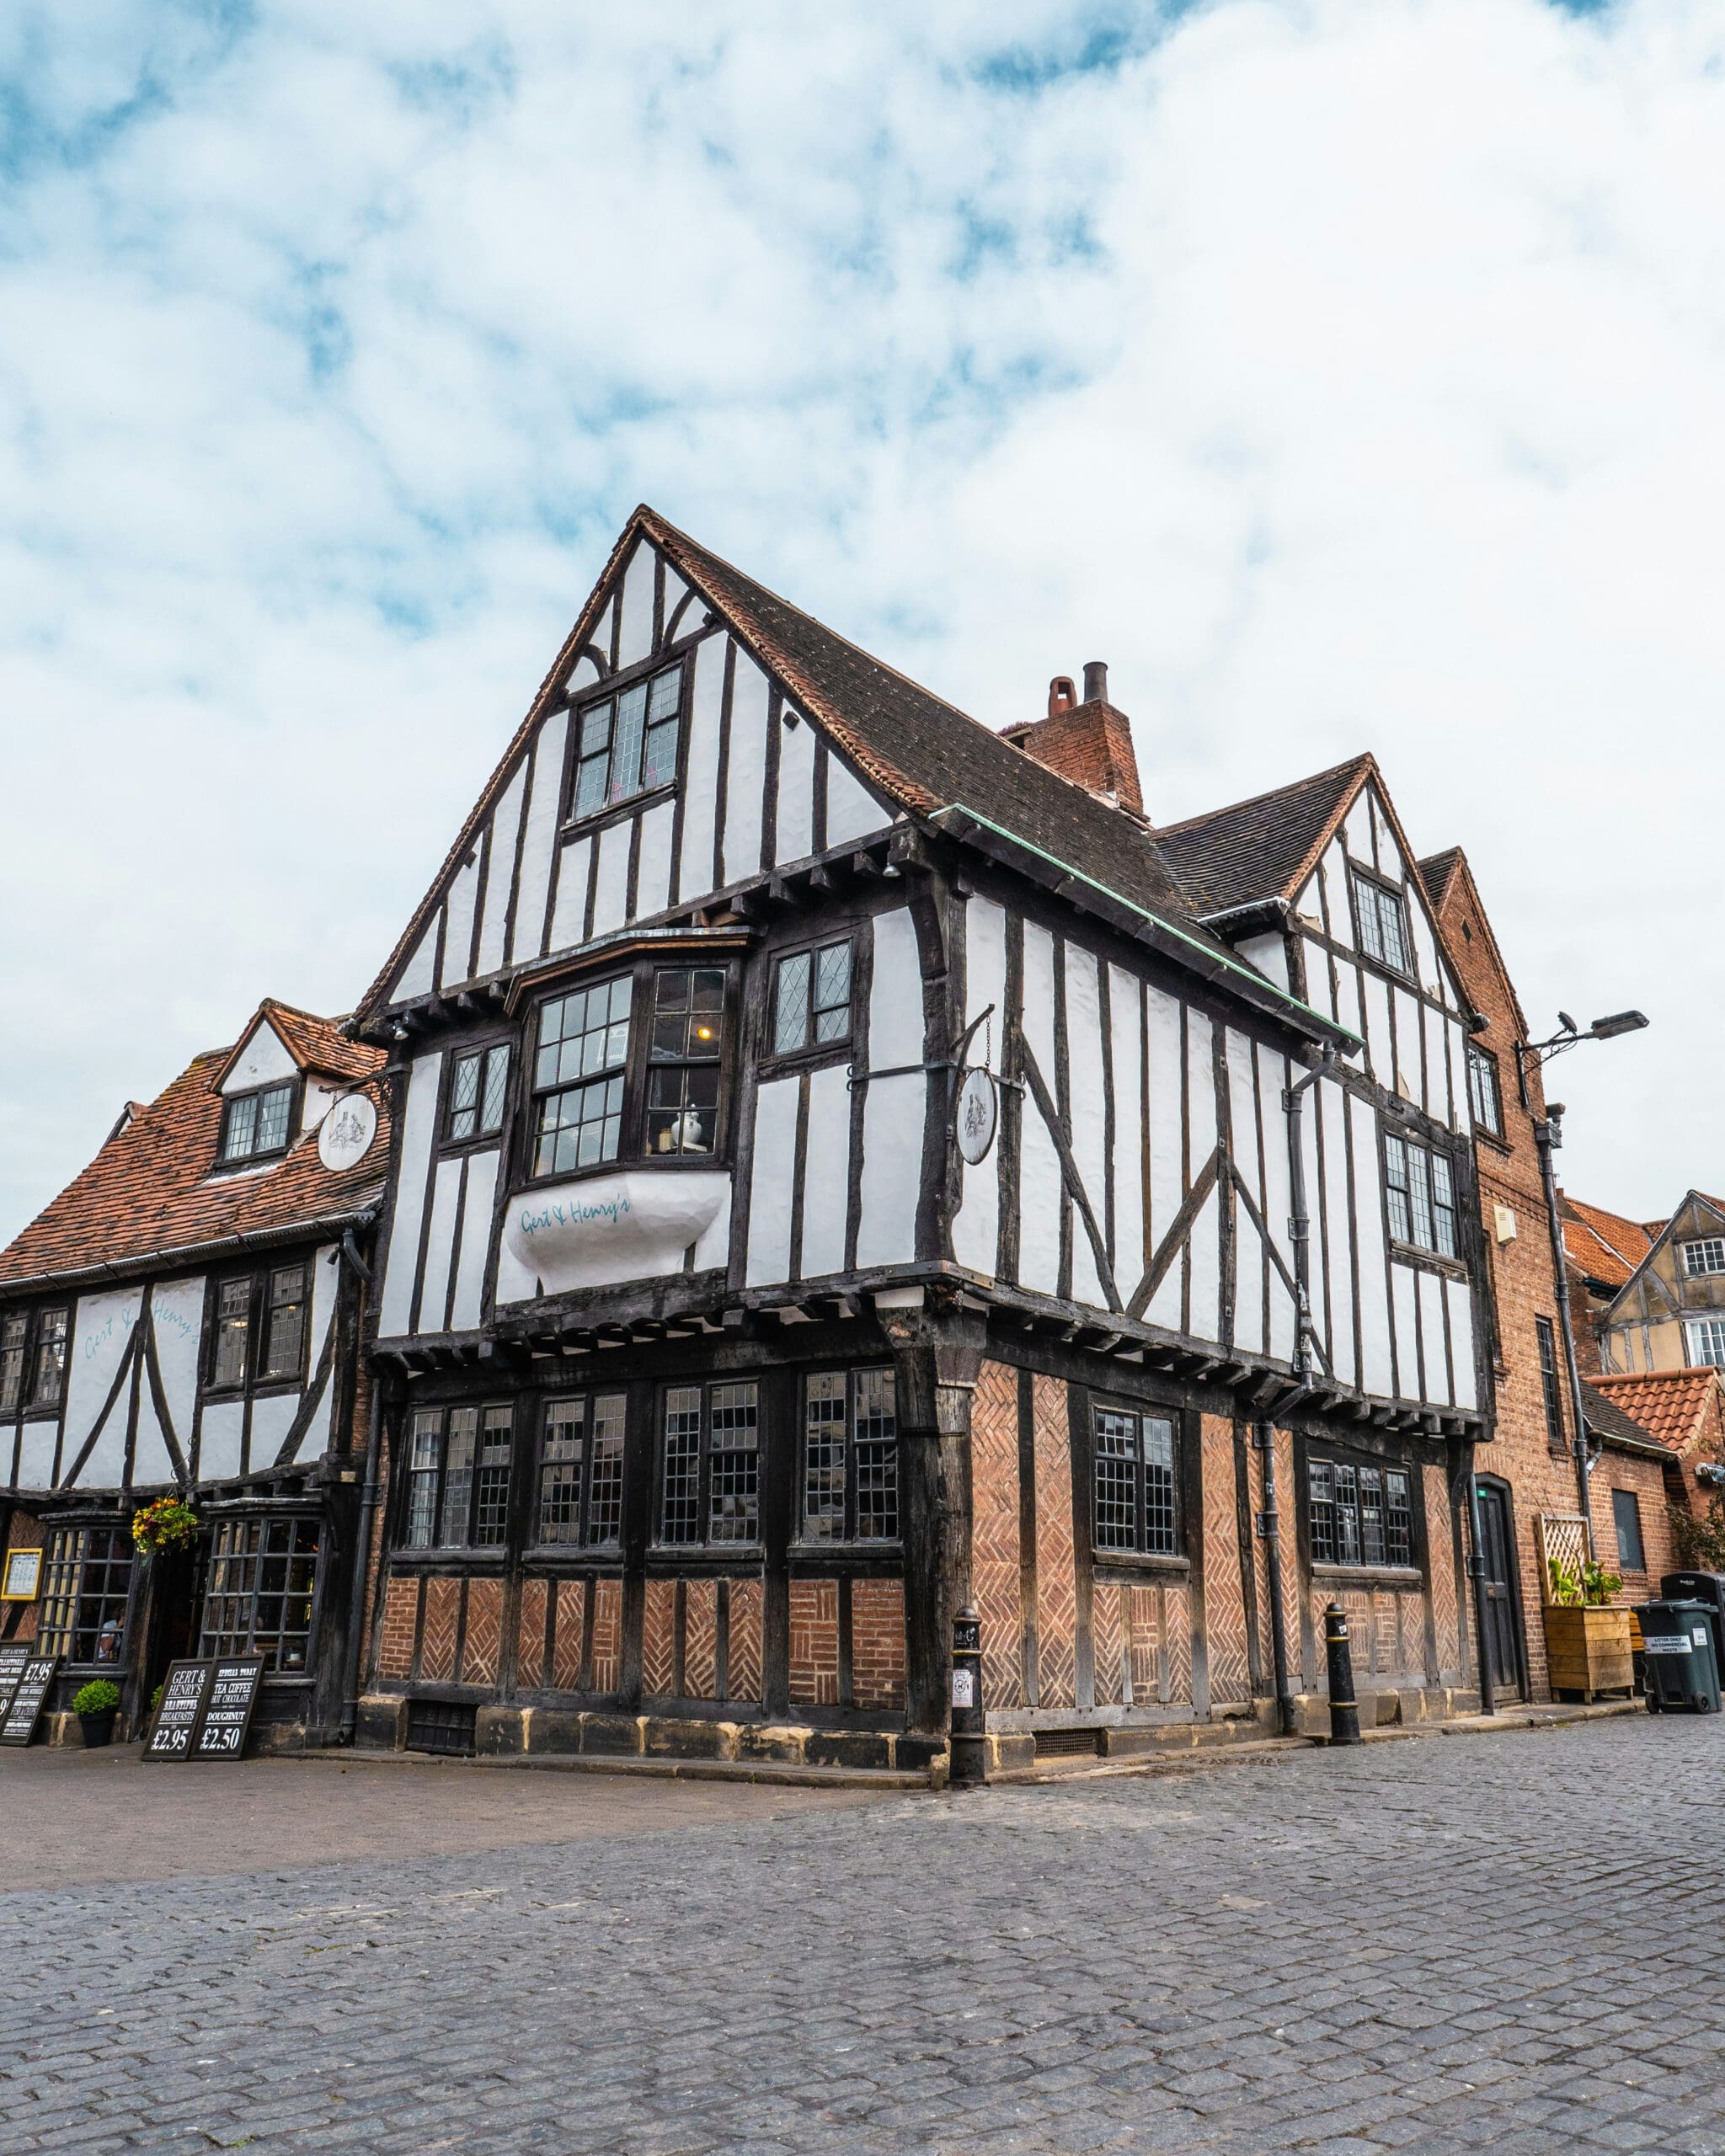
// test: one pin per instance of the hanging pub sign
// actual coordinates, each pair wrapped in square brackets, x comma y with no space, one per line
[978,1114]
[183,1693]
[228,1705]
[14,1661]
[29,1696]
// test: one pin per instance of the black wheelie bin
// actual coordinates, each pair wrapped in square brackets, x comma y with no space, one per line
[1683,1671]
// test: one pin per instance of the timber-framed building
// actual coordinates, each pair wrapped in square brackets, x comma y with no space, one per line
[716,1374]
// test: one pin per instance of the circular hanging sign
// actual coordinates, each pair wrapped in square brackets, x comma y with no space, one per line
[344,1135]
[979,1112]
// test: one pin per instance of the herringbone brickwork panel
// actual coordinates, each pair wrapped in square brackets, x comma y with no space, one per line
[743,1642]
[878,1643]
[401,1620]
[1177,1618]
[1107,1637]
[995,1562]
[700,1639]
[1144,1606]
[1440,1558]
[443,1604]
[657,1639]
[571,1620]
[530,1634]
[606,1675]
[815,1642]
[1387,1635]
[482,1642]
[1056,1585]
[1223,1589]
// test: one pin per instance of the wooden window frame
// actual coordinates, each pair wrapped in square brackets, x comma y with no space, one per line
[1703,1272]
[1361,879]
[1482,1061]
[476,1472]
[256,1382]
[1641,1544]
[812,1053]
[64,1590]
[583,1541]
[447,1142]
[1140,1551]
[1420,1153]
[1544,1333]
[641,971]
[848,1534]
[28,1403]
[705,1543]
[228,1163]
[1691,1326]
[588,698]
[249,1564]
[1337,1462]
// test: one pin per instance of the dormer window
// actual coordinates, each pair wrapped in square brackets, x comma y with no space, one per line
[1382,918]
[255,1125]
[626,744]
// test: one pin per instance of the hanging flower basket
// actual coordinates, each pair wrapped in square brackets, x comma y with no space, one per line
[168,1523]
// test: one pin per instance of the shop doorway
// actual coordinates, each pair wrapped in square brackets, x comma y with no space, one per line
[1500,1594]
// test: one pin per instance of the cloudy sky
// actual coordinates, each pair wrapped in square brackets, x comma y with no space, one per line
[1347,373]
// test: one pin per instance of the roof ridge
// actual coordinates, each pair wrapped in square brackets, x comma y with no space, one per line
[1364,760]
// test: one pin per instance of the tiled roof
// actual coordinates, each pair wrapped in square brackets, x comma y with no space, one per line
[1670,1406]
[1603,1245]
[1264,848]
[317,1044]
[1610,1422]
[1436,870]
[149,1192]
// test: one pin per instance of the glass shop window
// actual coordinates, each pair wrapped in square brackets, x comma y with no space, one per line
[850,1457]
[262,1591]
[711,1487]
[85,1590]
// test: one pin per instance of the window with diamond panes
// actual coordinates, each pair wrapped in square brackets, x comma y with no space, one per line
[1136,1505]
[28,1380]
[850,1457]
[812,999]
[627,744]
[85,1584]
[581,1470]
[683,1057]
[424,1474]
[262,1590]
[478,1083]
[711,1489]
[577,1077]
[1358,1514]
[254,1125]
[1383,924]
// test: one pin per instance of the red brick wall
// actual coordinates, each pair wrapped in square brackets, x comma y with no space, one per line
[700,1639]
[437,1639]
[18,1620]
[566,1648]
[1056,1589]
[530,1633]
[482,1642]
[878,1643]
[1177,1632]
[815,1642]
[995,1557]
[401,1618]
[1440,1560]
[1144,1610]
[742,1679]
[1224,1589]
[607,1670]
[657,1639]
[1108,1638]
[1646,1480]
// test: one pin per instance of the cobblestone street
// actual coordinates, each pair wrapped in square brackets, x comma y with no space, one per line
[1431,1945]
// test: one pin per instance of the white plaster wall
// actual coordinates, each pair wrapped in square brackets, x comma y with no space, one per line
[892,1170]
[500,871]
[1461,1302]
[794,830]
[476,1240]
[1041,1191]
[1374,1271]
[219,1438]
[1167,1084]
[851,810]
[102,1332]
[653,870]
[1088,1113]
[418,976]
[419,1121]
[772,1181]
[569,916]
[826,1171]
[611,886]
[458,937]
[262,1061]
[440,1247]
[539,845]
[746,774]
[976,1223]
[635,639]
[1431,1327]
[272,1418]
[701,780]
[1126,1048]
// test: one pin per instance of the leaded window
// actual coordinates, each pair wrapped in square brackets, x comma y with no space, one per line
[1551,1382]
[48,1382]
[1359,1514]
[850,1456]
[233,1332]
[1483,1090]
[577,1077]
[254,1125]
[28,1380]
[811,1005]
[711,1490]
[627,744]
[14,1346]
[682,1075]
[262,1590]
[1420,1193]
[581,1470]
[478,1083]
[274,1309]
[284,1332]
[459,1463]
[86,1586]
[1382,917]
[1703,1256]
[1136,1507]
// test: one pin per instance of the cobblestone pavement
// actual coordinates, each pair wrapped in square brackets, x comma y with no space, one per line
[1508,1942]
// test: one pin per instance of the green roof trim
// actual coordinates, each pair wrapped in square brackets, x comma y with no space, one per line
[1211,952]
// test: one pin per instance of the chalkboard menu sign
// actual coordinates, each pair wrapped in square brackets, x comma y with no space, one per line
[14,1661]
[24,1709]
[227,1710]
[183,1693]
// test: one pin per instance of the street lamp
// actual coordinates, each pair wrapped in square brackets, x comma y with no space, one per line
[1547,1137]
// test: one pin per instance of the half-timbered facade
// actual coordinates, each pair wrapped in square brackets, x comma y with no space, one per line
[184,1319]
[848,1164]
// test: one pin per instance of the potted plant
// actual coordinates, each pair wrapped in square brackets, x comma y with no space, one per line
[95,1706]
[167,1524]
[1587,1644]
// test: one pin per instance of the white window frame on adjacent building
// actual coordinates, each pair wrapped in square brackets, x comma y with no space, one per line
[1704,1343]
[1705,1255]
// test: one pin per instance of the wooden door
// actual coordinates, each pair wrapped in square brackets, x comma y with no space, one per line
[1501,1603]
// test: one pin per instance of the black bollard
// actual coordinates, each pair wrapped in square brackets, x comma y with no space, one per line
[969,1739]
[1344,1713]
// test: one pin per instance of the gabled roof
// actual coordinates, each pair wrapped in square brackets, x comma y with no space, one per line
[1448,875]
[1602,1245]
[1614,1427]
[1677,1407]
[315,1043]
[149,1192]
[1263,848]
[926,757]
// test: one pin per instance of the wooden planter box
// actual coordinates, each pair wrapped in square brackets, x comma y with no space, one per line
[1588,1650]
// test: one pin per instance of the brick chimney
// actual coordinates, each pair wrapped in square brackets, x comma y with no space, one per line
[1088,741]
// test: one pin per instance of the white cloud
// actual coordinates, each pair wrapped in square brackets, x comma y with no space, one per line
[1347,376]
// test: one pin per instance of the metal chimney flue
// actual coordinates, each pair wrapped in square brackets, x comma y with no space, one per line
[1095,681]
